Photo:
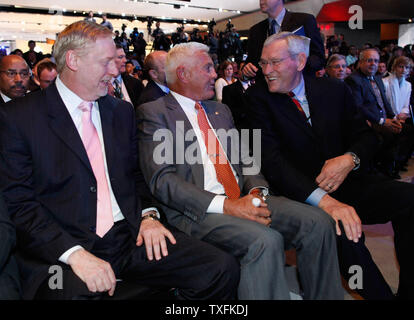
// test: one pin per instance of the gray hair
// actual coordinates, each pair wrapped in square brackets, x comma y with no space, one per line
[77,36]
[296,44]
[362,53]
[181,54]
[335,57]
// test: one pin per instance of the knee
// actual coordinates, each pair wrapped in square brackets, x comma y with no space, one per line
[270,241]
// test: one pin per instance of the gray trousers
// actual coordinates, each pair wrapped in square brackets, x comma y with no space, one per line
[260,250]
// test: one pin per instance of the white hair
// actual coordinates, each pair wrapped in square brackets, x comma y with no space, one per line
[179,55]
[296,44]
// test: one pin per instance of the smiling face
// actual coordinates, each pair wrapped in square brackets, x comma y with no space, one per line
[95,69]
[281,70]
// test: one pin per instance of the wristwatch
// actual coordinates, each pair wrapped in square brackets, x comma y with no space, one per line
[355,159]
[152,216]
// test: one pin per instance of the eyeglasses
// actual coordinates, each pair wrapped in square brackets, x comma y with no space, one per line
[337,66]
[370,60]
[273,62]
[12,74]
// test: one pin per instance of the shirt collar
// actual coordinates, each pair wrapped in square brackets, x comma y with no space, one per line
[5,98]
[279,18]
[162,87]
[70,99]
[118,78]
[185,102]
[299,91]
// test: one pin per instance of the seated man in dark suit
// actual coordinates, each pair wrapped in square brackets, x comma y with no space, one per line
[369,94]
[70,177]
[124,86]
[279,19]
[216,195]
[156,87]
[316,149]
[9,273]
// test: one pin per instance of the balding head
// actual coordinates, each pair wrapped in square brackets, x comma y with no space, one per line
[14,76]
[154,66]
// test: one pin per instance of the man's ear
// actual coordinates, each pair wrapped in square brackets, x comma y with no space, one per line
[182,74]
[153,74]
[301,61]
[72,59]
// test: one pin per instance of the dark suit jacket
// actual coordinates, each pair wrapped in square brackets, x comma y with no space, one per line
[48,183]
[177,184]
[292,20]
[150,93]
[365,97]
[234,97]
[9,273]
[134,88]
[293,152]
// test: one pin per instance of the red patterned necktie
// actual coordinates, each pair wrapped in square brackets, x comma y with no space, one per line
[298,106]
[223,170]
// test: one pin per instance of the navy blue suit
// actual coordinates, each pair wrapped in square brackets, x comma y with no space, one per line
[50,189]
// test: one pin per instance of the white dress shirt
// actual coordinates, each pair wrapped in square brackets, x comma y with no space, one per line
[72,102]
[211,183]
[5,98]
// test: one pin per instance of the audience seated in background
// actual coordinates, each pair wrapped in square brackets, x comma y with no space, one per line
[154,70]
[46,73]
[14,77]
[225,78]
[210,197]
[122,85]
[336,67]
[369,94]
[398,92]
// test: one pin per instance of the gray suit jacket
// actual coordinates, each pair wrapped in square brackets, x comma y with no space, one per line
[179,185]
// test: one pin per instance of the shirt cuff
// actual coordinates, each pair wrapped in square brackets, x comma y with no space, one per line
[217,204]
[151,209]
[381,122]
[64,257]
[315,197]
[265,190]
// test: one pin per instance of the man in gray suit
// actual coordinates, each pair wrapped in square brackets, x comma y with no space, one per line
[223,202]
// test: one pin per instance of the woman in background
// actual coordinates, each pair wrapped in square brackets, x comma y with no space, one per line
[225,78]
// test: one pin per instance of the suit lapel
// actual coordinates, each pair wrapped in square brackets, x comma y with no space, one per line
[176,113]
[62,125]
[286,106]
[286,22]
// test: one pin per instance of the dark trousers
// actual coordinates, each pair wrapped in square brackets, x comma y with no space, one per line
[379,199]
[197,269]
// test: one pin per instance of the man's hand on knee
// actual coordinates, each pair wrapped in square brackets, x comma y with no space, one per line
[244,208]
[347,214]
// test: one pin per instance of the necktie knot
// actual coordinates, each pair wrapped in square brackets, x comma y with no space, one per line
[198,106]
[85,106]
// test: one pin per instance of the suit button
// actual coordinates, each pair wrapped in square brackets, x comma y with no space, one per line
[92,229]
[92,189]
